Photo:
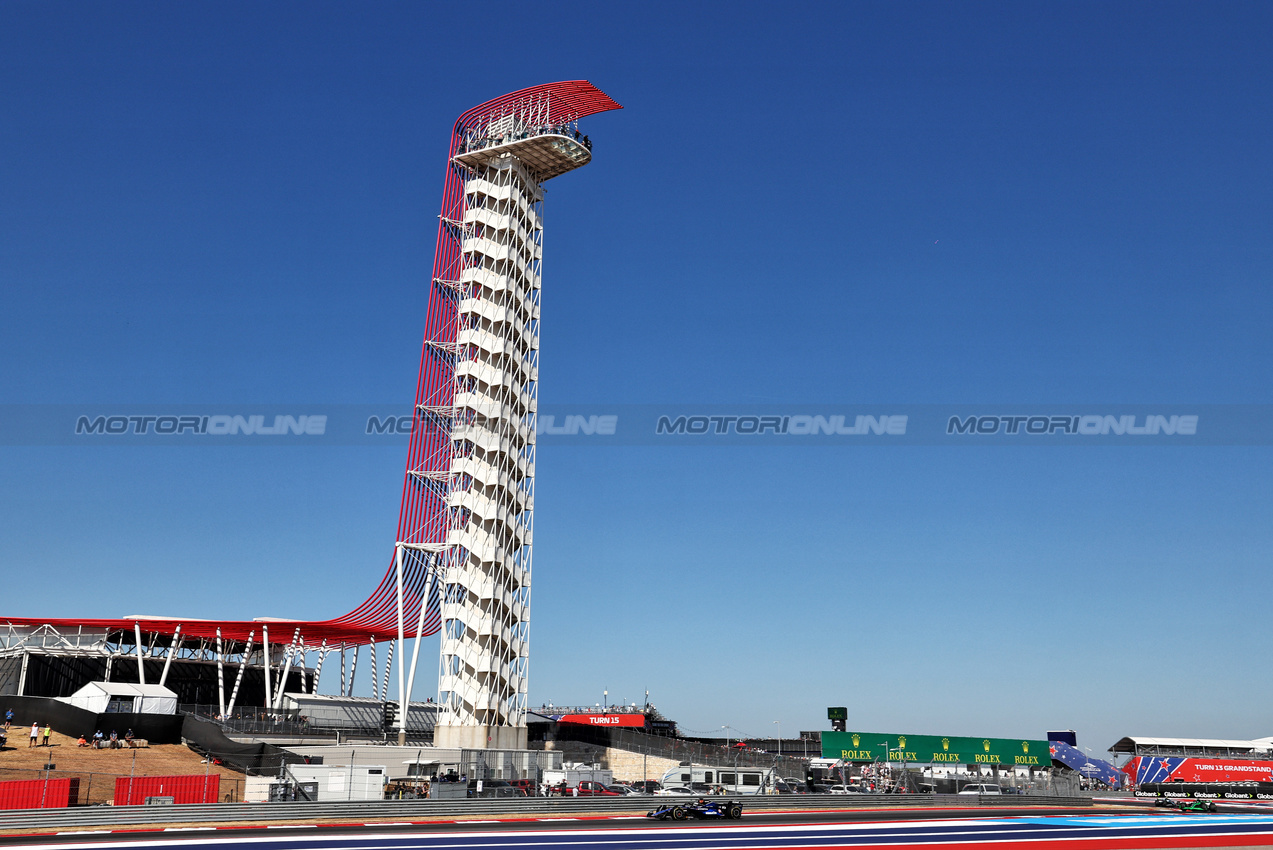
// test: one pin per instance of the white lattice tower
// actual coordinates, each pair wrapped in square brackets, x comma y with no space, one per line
[487,576]
[473,452]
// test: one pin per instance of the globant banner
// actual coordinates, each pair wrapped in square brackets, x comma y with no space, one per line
[934,749]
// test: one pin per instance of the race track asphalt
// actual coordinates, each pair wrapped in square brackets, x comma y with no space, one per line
[950,829]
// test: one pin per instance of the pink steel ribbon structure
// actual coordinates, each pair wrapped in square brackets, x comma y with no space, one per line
[462,557]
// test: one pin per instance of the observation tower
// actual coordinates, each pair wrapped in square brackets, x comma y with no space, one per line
[462,558]
[471,468]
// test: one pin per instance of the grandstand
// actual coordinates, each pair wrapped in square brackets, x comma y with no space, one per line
[1193,747]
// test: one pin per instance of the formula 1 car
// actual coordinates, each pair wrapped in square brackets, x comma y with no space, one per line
[1196,805]
[702,808]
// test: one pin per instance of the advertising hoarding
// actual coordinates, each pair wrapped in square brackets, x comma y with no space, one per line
[935,749]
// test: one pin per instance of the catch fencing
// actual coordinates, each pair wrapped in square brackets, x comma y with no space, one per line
[430,810]
[681,750]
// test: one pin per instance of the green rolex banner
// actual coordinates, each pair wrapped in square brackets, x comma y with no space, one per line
[934,749]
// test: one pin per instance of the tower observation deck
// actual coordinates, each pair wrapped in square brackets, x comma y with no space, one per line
[469,493]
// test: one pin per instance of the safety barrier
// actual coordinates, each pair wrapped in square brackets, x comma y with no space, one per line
[428,810]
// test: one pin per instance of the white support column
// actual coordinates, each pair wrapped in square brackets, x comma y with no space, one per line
[141,667]
[265,648]
[302,656]
[384,688]
[238,680]
[173,649]
[220,674]
[343,680]
[415,653]
[375,681]
[287,667]
[353,670]
[318,668]
[402,649]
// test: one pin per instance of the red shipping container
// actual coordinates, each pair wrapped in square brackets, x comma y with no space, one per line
[39,793]
[133,790]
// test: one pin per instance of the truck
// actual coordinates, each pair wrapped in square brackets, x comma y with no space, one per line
[735,780]
[570,776]
[318,783]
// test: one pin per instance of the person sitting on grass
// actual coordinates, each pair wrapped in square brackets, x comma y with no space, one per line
[82,742]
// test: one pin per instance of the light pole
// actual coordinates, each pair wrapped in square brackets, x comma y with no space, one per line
[779,722]
[723,728]
[879,780]
[606,701]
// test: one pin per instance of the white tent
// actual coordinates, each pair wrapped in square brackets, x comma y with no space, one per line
[113,697]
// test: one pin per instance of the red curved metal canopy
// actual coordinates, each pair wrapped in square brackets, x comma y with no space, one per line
[568,100]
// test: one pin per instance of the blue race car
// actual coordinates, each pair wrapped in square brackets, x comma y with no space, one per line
[702,808]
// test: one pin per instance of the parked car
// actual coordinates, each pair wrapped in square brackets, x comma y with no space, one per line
[623,790]
[648,786]
[588,788]
[676,791]
[842,789]
[983,789]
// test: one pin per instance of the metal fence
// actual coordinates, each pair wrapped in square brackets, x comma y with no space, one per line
[681,750]
[359,812]
[254,720]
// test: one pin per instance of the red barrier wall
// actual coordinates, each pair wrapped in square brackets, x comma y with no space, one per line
[39,793]
[1197,769]
[133,791]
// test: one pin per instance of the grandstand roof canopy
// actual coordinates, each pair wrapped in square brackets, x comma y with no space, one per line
[1137,743]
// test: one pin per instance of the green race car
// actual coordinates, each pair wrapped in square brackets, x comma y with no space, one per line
[1192,806]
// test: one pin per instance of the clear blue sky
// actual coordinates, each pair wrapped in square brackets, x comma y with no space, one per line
[841,203]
